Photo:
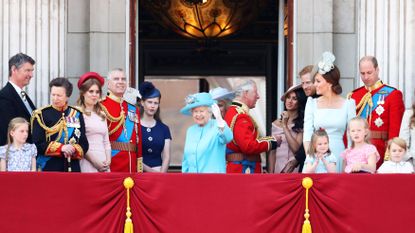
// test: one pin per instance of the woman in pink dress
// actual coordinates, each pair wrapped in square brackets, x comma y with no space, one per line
[290,128]
[98,157]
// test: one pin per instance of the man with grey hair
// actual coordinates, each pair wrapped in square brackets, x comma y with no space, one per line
[243,152]
[14,102]
[123,120]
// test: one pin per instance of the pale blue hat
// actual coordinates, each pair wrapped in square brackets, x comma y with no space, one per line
[221,93]
[196,100]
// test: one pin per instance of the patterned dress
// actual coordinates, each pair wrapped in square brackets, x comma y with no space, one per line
[19,159]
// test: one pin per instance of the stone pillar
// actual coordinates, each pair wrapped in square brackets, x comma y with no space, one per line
[386,30]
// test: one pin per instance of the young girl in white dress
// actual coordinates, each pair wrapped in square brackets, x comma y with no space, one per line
[319,157]
[396,151]
[18,155]
[362,156]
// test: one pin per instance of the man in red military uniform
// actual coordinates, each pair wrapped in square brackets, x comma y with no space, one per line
[380,104]
[124,128]
[243,152]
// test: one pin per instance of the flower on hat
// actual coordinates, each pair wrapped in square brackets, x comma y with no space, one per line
[190,99]
[326,64]
[196,100]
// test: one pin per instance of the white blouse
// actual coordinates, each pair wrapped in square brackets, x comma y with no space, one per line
[408,134]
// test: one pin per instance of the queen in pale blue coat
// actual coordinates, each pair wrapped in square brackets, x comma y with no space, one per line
[204,149]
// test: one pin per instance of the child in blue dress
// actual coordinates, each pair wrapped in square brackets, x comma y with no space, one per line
[319,157]
[18,155]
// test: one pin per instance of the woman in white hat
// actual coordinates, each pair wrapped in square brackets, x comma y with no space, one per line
[205,145]
[290,128]
[224,97]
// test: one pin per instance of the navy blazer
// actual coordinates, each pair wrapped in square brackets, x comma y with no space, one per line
[11,106]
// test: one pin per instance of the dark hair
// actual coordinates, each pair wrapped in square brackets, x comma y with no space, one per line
[156,115]
[81,99]
[62,82]
[333,77]
[18,60]
[301,102]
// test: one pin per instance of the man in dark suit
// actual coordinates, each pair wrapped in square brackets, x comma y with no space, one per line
[14,102]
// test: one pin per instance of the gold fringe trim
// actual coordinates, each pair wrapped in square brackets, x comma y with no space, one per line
[307,184]
[112,119]
[128,226]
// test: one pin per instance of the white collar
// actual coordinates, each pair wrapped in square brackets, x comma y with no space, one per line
[17,88]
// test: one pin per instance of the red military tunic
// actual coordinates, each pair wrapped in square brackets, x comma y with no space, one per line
[383,107]
[123,120]
[245,148]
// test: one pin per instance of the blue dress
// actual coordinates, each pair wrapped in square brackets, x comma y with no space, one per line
[320,166]
[333,120]
[153,143]
[204,149]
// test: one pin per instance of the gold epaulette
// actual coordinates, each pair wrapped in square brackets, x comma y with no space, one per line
[78,108]
[349,96]
[49,131]
[265,139]
[36,113]
[120,119]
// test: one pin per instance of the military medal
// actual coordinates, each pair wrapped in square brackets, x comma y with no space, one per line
[72,141]
[247,170]
[378,122]
[132,116]
[379,110]
[73,122]
[77,133]
[381,100]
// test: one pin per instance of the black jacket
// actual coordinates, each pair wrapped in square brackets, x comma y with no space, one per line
[11,106]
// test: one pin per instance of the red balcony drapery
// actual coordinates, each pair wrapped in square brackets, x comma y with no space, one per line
[61,202]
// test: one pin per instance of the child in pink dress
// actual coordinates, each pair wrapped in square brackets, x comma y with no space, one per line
[362,156]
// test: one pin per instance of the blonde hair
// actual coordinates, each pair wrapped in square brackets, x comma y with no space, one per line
[317,134]
[398,141]
[13,124]
[365,125]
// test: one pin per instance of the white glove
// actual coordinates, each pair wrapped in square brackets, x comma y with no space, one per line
[218,116]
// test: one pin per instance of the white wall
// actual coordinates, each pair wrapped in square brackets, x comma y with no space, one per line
[386,30]
[36,28]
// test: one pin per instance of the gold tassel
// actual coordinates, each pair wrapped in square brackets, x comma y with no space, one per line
[128,226]
[307,184]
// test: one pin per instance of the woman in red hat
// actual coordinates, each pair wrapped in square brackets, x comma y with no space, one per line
[98,157]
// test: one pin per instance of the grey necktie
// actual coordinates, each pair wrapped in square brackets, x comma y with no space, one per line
[23,95]
[26,103]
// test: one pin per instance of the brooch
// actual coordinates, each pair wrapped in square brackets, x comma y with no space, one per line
[77,133]
[378,122]
[379,110]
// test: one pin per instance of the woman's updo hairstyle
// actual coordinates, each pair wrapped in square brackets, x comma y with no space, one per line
[333,77]
[330,72]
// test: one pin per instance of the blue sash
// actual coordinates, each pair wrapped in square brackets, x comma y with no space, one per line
[41,160]
[384,91]
[129,126]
